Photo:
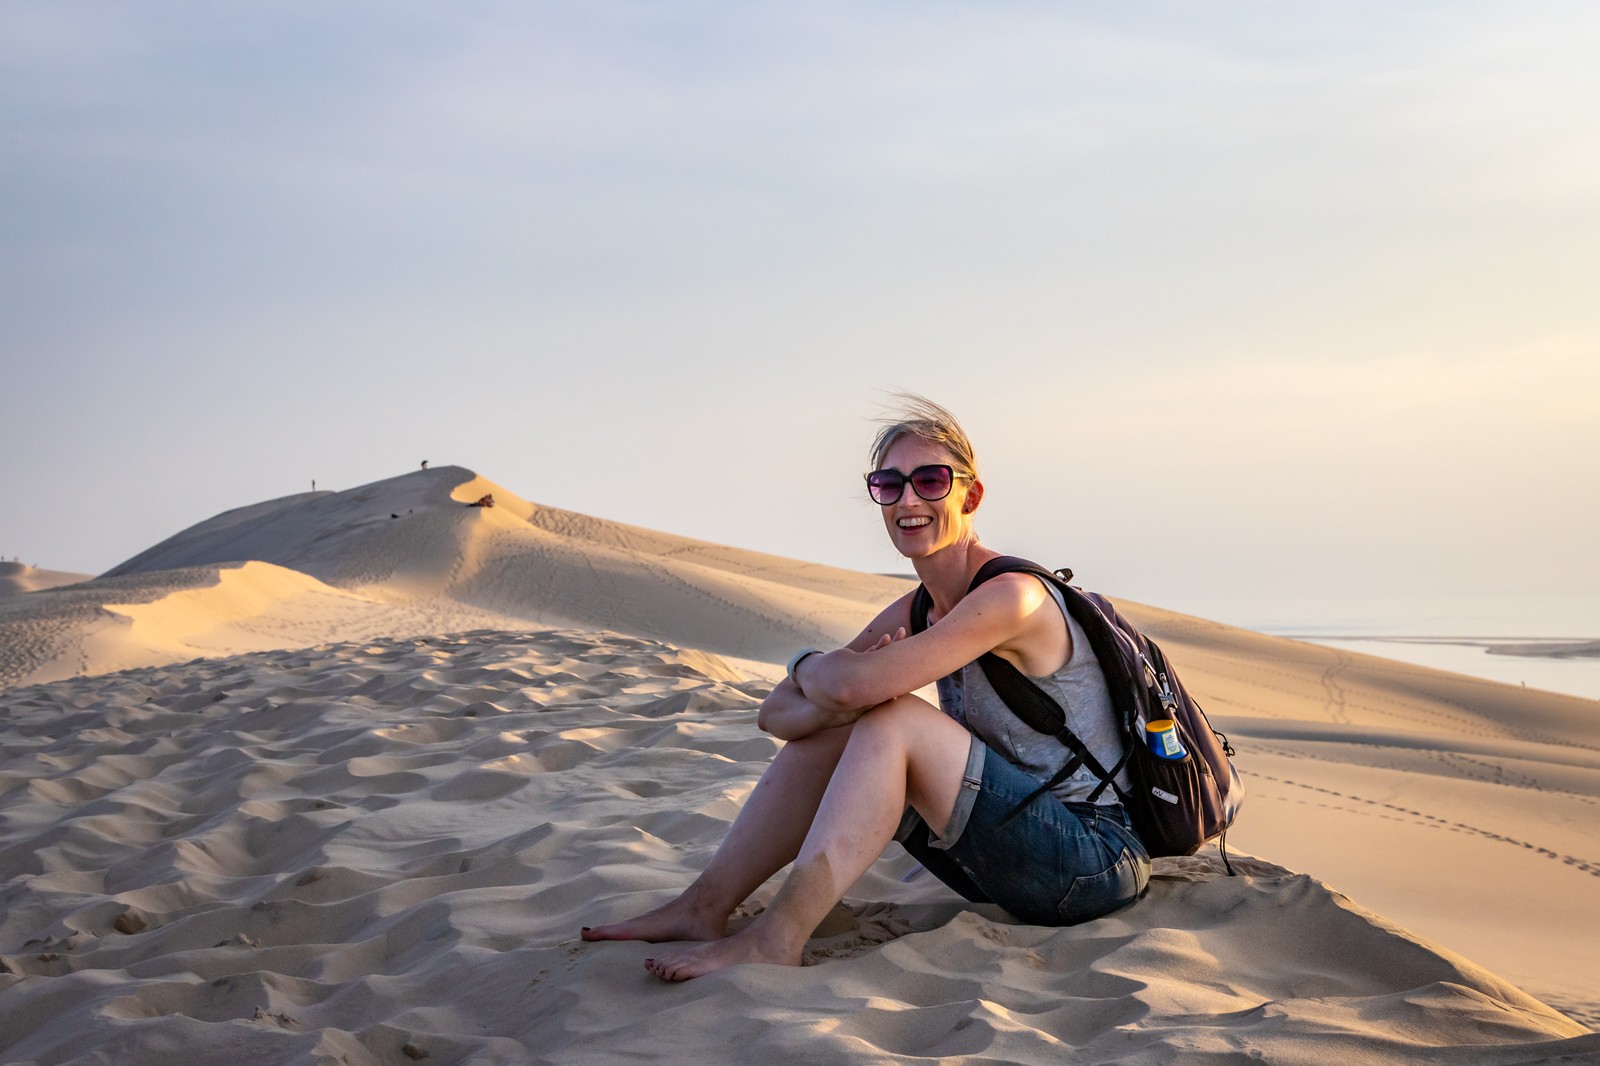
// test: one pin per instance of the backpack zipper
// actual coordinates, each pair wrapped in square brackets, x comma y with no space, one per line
[1162,687]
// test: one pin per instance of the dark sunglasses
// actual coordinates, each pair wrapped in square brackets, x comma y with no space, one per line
[931,482]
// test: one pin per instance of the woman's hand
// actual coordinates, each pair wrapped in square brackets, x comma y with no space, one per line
[889,638]
[788,715]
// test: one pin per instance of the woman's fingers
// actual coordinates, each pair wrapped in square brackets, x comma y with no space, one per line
[889,638]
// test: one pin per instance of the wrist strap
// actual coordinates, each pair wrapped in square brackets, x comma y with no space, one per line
[795,662]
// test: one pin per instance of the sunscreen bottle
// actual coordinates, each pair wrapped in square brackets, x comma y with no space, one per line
[1162,736]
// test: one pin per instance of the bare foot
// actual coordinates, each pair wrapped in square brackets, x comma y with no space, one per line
[747,945]
[679,920]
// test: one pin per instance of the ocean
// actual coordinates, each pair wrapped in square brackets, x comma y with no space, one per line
[1445,632]
[1465,655]
[1453,634]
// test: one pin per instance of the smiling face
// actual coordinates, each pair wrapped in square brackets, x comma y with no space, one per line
[921,527]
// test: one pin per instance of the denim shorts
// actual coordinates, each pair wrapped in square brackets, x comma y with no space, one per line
[1052,863]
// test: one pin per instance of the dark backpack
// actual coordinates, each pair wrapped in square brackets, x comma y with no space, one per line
[1176,804]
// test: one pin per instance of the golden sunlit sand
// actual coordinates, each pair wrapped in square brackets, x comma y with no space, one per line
[337,778]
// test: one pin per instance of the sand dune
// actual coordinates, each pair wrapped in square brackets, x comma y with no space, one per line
[415,535]
[170,616]
[1434,798]
[407,556]
[342,853]
[17,578]
[310,824]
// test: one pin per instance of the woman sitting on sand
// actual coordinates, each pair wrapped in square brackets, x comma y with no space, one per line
[866,763]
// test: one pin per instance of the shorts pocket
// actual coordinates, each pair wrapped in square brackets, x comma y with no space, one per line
[1092,895]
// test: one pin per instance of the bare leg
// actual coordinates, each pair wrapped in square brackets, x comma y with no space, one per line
[763,839]
[905,751]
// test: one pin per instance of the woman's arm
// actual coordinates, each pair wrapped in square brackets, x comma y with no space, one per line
[788,714]
[1012,615]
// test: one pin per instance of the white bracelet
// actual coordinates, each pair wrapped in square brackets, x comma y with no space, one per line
[795,662]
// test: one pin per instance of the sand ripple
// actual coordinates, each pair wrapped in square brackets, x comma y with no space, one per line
[341,853]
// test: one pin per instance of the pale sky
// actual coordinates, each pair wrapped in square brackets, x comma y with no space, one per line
[1260,311]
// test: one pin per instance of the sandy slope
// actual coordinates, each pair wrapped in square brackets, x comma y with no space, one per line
[407,556]
[1464,809]
[18,578]
[169,616]
[332,855]
[406,828]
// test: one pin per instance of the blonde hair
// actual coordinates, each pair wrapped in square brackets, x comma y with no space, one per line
[920,417]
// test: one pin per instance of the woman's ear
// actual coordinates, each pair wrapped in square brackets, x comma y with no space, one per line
[973,498]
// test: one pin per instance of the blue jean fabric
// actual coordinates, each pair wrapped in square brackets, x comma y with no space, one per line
[1052,863]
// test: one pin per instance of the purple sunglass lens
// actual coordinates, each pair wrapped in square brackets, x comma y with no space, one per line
[931,482]
[885,486]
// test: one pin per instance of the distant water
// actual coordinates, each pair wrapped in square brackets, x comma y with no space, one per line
[1447,634]
[1575,677]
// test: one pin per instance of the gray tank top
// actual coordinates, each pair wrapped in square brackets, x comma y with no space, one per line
[1079,687]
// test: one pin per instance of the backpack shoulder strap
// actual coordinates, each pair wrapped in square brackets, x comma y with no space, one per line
[921,604]
[1025,699]
[1012,564]
[1023,695]
[922,601]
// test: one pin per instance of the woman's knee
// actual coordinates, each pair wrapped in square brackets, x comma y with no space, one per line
[910,723]
[819,750]
[902,712]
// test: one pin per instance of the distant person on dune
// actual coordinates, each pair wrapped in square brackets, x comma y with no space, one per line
[961,785]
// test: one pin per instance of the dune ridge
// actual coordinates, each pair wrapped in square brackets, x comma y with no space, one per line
[329,777]
[408,556]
